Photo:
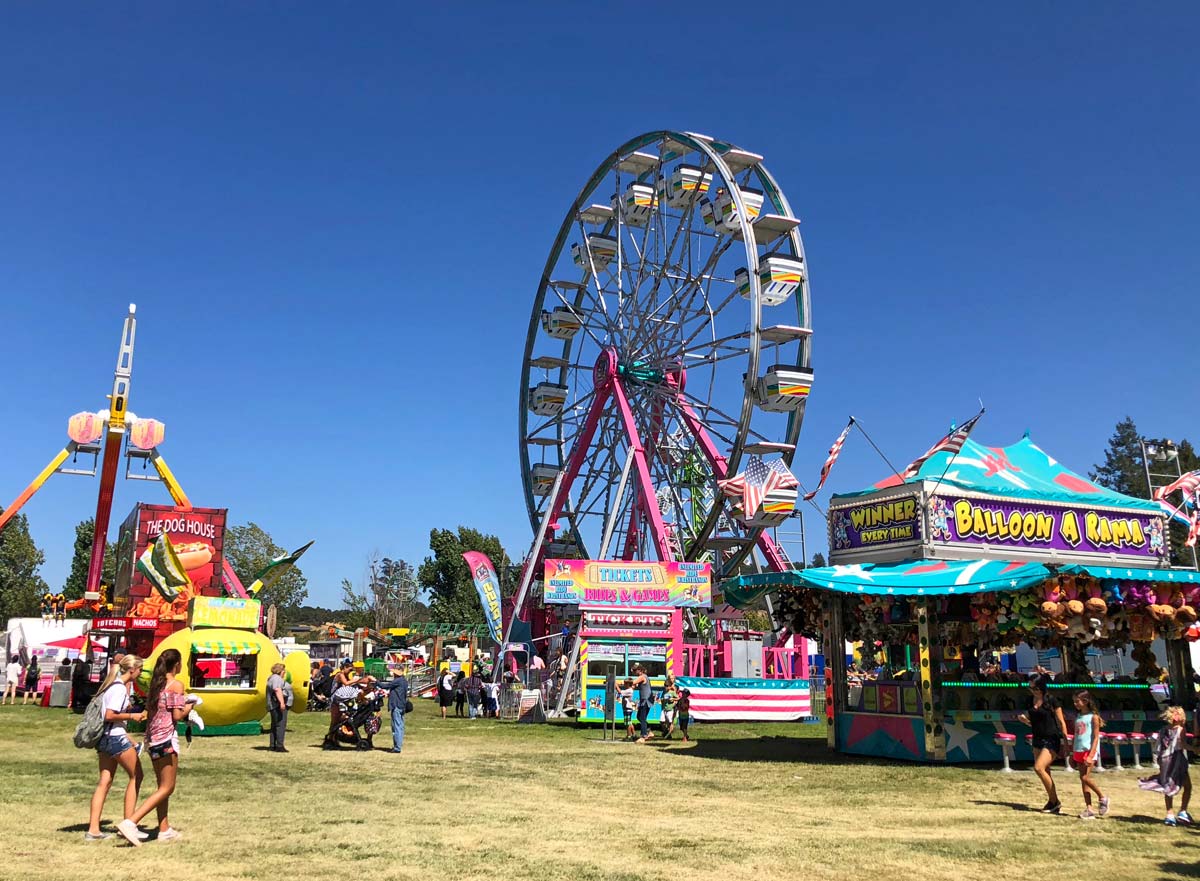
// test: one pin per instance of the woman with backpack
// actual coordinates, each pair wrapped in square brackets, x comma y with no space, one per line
[165,705]
[114,747]
[32,675]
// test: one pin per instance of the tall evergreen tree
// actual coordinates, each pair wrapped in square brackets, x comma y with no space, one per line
[1122,469]
[77,580]
[818,560]
[21,587]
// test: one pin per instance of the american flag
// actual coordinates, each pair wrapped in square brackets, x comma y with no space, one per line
[1194,529]
[952,443]
[759,479]
[834,452]
[1188,484]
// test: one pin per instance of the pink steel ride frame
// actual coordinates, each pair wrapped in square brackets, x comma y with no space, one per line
[608,384]
[720,467]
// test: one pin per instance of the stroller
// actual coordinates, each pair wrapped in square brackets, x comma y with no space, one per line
[318,694]
[359,722]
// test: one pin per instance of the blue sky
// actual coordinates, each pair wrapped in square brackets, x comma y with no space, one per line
[333,218]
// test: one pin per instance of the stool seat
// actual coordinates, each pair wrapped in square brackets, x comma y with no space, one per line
[1006,738]
[1029,738]
[1137,737]
[1116,737]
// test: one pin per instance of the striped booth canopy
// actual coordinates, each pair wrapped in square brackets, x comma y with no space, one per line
[219,647]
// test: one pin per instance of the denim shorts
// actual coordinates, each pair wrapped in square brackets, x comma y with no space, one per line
[114,744]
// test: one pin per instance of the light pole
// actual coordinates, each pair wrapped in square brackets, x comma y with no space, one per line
[1163,455]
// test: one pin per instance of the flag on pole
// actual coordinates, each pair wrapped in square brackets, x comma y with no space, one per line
[160,564]
[1188,484]
[780,477]
[951,443]
[834,452]
[275,570]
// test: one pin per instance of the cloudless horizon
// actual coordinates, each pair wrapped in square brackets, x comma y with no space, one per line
[333,219]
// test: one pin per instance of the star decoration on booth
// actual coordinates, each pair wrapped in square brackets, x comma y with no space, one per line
[855,570]
[959,736]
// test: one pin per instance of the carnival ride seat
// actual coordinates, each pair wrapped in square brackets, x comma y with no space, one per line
[777,506]
[547,398]
[779,276]
[683,186]
[784,388]
[561,322]
[603,249]
[721,213]
[1007,743]
[636,204]
[542,477]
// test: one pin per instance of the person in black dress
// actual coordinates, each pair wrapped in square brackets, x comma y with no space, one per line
[1045,717]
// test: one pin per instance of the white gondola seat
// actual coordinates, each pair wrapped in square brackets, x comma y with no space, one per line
[561,322]
[547,398]
[636,204]
[604,249]
[686,183]
[725,213]
[784,389]
[542,478]
[776,507]
[779,275]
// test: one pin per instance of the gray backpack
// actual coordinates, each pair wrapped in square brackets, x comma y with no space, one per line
[92,727]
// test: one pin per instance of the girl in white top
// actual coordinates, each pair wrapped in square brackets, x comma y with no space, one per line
[12,676]
[115,747]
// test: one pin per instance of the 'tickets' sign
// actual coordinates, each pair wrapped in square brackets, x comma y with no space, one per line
[1027,525]
[626,583]
[199,538]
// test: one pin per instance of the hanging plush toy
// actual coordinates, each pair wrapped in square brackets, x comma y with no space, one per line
[1095,604]
[1141,626]
[1186,613]
[1137,595]
[1161,610]
[1070,595]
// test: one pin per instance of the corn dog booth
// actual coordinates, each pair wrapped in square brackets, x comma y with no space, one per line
[994,552]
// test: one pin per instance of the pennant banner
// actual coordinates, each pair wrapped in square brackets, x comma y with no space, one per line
[275,570]
[488,585]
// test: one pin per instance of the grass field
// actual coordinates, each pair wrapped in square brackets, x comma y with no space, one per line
[490,800]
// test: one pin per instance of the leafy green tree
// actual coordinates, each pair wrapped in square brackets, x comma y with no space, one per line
[447,579]
[76,582]
[818,560]
[389,598]
[21,587]
[249,549]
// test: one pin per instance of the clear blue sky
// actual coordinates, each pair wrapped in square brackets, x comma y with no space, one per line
[333,218]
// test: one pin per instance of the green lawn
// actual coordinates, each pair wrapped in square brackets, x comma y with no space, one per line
[492,800]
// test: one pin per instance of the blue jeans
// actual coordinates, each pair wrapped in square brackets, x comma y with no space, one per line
[397,730]
[643,712]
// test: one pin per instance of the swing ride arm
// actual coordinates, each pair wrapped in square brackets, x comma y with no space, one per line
[26,494]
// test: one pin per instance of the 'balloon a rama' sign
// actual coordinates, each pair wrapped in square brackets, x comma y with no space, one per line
[989,527]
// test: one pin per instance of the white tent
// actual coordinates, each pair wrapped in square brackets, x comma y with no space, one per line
[26,636]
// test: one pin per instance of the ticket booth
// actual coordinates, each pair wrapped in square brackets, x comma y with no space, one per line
[615,639]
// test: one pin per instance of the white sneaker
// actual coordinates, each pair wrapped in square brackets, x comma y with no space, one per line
[172,834]
[130,832]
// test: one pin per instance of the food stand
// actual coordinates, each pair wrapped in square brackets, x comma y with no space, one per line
[976,554]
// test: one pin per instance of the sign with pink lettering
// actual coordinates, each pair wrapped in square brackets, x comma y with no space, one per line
[628,583]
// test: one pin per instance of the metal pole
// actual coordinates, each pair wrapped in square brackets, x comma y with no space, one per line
[527,575]
[612,516]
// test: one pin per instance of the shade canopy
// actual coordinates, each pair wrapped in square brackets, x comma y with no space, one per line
[933,578]
[221,647]
[1019,471]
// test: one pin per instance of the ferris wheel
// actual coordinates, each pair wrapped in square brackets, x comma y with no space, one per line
[669,344]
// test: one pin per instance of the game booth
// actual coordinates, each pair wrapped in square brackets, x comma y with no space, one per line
[994,552]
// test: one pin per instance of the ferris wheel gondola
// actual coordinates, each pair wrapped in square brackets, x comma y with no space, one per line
[670,339]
